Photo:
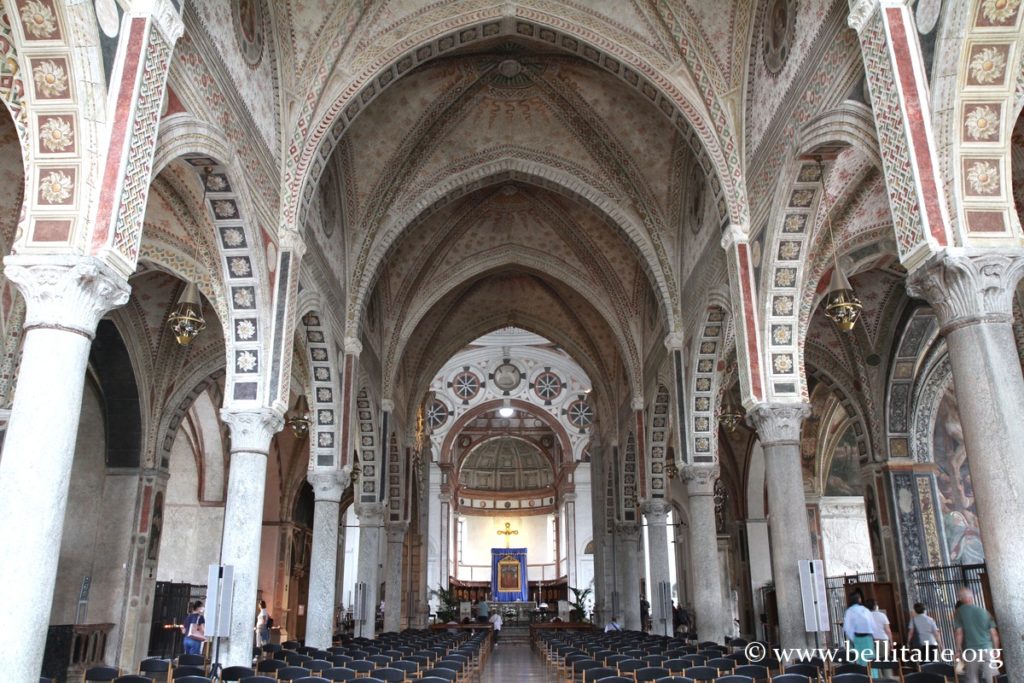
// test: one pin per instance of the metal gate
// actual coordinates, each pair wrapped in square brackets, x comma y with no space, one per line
[838,600]
[937,588]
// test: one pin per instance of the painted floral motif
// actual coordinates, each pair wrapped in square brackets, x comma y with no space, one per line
[239,266]
[705,365]
[323,394]
[55,187]
[56,134]
[782,334]
[703,384]
[321,374]
[789,251]
[233,237]
[701,424]
[51,79]
[38,19]
[325,440]
[216,183]
[702,403]
[998,11]
[983,177]
[325,417]
[794,223]
[981,123]
[246,361]
[243,297]
[987,65]
[782,362]
[223,208]
[319,354]
[707,347]
[802,198]
[245,330]
[782,305]
[702,443]
[785,277]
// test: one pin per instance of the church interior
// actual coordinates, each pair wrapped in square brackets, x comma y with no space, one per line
[684,320]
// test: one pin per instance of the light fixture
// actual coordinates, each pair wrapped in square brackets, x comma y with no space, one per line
[186,320]
[299,420]
[671,470]
[842,306]
[355,469]
[506,409]
[729,415]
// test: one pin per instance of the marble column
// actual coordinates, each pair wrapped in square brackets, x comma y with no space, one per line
[65,298]
[569,541]
[393,576]
[328,487]
[371,523]
[628,558]
[972,294]
[778,428]
[705,568]
[656,514]
[251,432]
[602,589]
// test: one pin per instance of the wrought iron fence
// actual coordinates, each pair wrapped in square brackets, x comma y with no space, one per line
[937,588]
[837,591]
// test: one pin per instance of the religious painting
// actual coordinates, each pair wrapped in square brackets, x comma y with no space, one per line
[844,471]
[956,494]
[508,574]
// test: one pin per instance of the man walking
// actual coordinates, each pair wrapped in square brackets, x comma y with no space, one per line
[977,640]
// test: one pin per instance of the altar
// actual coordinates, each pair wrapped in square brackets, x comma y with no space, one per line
[508,575]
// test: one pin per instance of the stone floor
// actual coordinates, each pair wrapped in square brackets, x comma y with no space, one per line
[514,663]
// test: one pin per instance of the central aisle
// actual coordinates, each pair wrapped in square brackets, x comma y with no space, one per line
[515,663]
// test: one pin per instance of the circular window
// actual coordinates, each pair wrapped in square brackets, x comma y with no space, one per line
[437,414]
[466,385]
[580,414]
[547,386]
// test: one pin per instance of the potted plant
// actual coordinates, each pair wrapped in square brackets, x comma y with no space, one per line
[579,607]
[448,610]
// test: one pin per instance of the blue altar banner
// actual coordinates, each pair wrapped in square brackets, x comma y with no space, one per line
[508,575]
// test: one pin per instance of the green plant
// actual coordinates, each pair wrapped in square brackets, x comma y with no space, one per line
[579,603]
[449,607]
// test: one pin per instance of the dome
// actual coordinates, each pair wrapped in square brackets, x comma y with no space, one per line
[506,464]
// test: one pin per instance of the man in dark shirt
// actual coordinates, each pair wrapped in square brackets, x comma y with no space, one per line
[977,640]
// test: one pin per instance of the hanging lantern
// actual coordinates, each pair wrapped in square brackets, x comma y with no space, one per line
[671,470]
[299,421]
[186,320]
[729,416]
[842,306]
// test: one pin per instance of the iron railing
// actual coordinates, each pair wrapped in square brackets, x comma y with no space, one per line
[937,588]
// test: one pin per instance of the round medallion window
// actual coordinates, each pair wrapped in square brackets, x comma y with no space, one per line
[507,377]
[547,386]
[580,414]
[437,414]
[466,385]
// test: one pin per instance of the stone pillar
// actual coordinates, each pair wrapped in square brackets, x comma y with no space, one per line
[251,432]
[759,552]
[393,576]
[656,514]
[328,487]
[705,568]
[371,521]
[569,541]
[778,427]
[628,558]
[65,299]
[972,294]
[602,591]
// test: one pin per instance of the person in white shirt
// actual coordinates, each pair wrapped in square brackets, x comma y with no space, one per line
[496,623]
[858,625]
[612,625]
[880,630]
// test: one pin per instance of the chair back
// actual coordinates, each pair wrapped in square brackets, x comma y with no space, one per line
[338,673]
[722,664]
[182,671]
[926,677]
[361,665]
[755,671]
[236,673]
[651,673]
[190,660]
[133,678]
[597,673]
[390,675]
[790,678]
[631,665]
[259,679]
[851,678]
[292,673]
[101,674]
[702,673]
[318,665]
[947,671]
[193,679]
[154,665]
[734,678]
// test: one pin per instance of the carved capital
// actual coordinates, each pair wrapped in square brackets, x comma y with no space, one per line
[674,341]
[860,12]
[167,20]
[637,403]
[370,514]
[967,287]
[627,530]
[387,405]
[778,423]
[655,510]
[396,531]
[66,292]
[700,479]
[291,240]
[733,235]
[352,346]
[252,429]
[328,485]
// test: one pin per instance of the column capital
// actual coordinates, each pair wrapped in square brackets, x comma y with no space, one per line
[733,235]
[700,479]
[387,405]
[370,514]
[67,293]
[569,497]
[328,485]
[252,428]
[674,341]
[627,529]
[352,346]
[291,240]
[396,531]
[637,403]
[860,12]
[778,423]
[655,509]
[167,19]
[968,286]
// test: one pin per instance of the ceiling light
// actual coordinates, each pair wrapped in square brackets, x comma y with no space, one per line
[506,409]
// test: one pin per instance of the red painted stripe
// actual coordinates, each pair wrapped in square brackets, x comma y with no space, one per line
[641,451]
[904,65]
[144,517]
[120,131]
[750,320]
[346,408]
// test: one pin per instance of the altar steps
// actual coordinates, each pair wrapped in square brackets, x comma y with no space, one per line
[515,635]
